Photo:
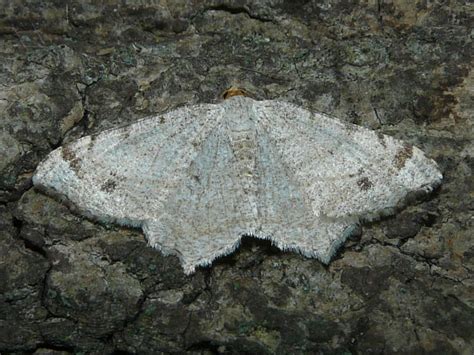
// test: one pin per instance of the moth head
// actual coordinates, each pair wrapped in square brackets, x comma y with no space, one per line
[234,91]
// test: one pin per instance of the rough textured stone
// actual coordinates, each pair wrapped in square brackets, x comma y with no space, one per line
[70,285]
[22,273]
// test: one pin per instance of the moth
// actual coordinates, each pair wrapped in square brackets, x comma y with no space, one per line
[200,177]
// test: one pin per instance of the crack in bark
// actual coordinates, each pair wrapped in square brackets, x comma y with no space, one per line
[418,258]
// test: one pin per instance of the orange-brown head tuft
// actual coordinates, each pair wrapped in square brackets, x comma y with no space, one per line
[234,91]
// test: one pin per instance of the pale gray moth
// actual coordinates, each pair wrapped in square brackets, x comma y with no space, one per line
[200,177]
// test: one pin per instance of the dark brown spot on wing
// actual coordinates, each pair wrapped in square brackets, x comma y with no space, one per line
[109,185]
[381,138]
[71,158]
[364,183]
[92,142]
[402,156]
